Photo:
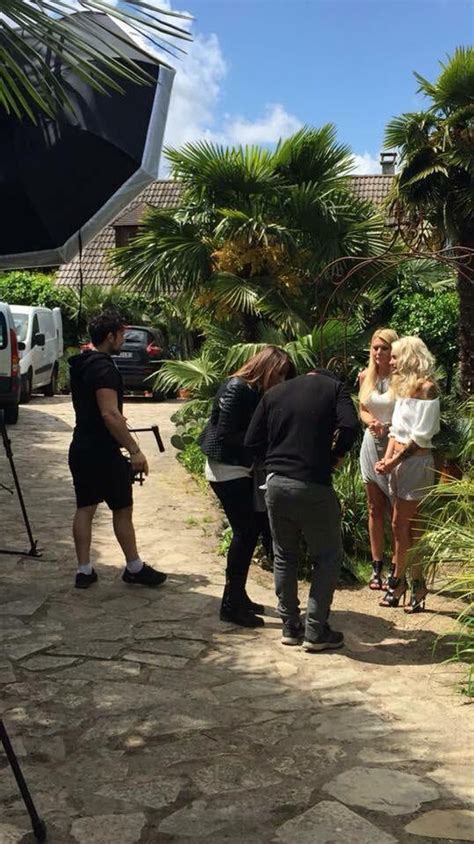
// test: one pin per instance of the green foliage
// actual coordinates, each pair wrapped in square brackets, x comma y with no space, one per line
[193,460]
[433,318]
[448,549]
[63,375]
[30,82]
[434,190]
[24,287]
[351,493]
[189,422]
[254,229]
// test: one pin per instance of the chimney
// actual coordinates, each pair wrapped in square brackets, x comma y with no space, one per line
[388,161]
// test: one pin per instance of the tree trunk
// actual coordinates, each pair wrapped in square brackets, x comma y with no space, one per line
[466,319]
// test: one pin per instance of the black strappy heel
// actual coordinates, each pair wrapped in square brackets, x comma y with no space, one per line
[375,582]
[390,599]
[417,604]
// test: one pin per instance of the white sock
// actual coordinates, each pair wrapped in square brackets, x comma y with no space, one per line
[134,566]
[85,569]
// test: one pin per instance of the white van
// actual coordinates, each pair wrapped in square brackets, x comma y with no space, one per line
[40,342]
[9,366]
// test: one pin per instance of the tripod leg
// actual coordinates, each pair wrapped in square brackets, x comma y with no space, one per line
[9,453]
[38,825]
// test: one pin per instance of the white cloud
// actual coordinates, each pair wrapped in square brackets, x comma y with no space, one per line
[366,164]
[195,93]
[276,123]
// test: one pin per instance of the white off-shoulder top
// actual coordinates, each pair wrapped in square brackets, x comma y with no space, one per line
[416,420]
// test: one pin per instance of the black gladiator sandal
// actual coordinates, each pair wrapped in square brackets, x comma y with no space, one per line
[394,584]
[389,575]
[375,581]
[417,604]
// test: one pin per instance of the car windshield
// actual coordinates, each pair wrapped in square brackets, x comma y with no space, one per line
[21,326]
[136,335]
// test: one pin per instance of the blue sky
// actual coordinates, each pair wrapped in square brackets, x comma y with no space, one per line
[261,68]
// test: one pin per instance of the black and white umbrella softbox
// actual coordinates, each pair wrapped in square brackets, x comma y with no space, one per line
[64,179]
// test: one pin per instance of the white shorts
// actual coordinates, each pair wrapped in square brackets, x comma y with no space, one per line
[412,477]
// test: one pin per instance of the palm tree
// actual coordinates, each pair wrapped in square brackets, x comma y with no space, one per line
[253,232]
[434,189]
[33,34]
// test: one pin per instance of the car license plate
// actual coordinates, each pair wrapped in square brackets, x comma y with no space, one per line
[126,354]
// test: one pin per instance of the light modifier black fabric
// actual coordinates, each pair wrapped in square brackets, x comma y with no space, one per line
[74,173]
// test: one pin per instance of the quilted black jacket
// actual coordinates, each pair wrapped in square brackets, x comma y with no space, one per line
[223,437]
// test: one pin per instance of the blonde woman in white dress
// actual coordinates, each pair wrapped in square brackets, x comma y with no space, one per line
[408,460]
[376,408]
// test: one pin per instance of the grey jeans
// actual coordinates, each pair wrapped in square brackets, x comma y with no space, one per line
[298,508]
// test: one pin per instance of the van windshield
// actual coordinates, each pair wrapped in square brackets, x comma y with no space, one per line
[21,326]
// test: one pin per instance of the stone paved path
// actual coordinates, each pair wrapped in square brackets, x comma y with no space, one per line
[139,717]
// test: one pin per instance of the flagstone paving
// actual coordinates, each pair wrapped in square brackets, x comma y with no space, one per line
[139,717]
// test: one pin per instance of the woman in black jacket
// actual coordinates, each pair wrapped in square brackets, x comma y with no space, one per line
[229,470]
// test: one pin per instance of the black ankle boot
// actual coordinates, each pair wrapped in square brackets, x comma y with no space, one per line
[237,611]
[241,616]
[250,605]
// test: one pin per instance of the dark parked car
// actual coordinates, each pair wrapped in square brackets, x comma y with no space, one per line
[141,355]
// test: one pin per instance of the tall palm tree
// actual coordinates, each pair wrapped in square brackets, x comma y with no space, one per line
[253,232]
[32,34]
[435,187]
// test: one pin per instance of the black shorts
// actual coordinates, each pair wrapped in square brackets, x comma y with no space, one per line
[100,475]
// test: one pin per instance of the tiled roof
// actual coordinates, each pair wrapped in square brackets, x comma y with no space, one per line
[95,266]
[166,194]
[374,188]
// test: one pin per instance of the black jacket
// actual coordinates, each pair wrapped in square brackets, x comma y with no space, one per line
[223,437]
[302,426]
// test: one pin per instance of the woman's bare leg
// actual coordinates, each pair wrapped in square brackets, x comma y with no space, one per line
[377,506]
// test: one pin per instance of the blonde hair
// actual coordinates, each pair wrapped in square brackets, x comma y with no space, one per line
[415,365]
[266,368]
[369,381]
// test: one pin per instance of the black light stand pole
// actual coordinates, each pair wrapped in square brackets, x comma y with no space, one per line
[38,825]
[33,552]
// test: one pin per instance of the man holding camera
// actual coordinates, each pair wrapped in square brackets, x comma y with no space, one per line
[99,470]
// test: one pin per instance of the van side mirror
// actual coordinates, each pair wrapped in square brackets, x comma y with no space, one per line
[21,346]
[39,340]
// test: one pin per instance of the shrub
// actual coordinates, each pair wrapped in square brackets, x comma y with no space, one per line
[63,375]
[434,318]
[24,287]
[448,549]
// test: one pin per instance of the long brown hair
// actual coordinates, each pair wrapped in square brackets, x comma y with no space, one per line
[267,368]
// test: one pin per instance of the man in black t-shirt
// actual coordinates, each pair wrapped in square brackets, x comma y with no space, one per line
[99,470]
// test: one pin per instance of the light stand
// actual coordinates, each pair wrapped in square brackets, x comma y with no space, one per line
[33,550]
[38,825]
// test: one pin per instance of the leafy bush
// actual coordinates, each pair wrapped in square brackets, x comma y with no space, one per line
[24,287]
[448,550]
[63,375]
[434,318]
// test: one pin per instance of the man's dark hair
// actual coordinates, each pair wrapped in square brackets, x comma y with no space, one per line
[109,322]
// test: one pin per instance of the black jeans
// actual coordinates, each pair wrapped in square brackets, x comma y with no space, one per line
[236,498]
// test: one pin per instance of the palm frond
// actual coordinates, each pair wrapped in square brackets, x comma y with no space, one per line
[200,375]
[35,36]
[313,155]
[235,292]
[222,176]
[454,87]
[239,354]
[252,228]
[166,254]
